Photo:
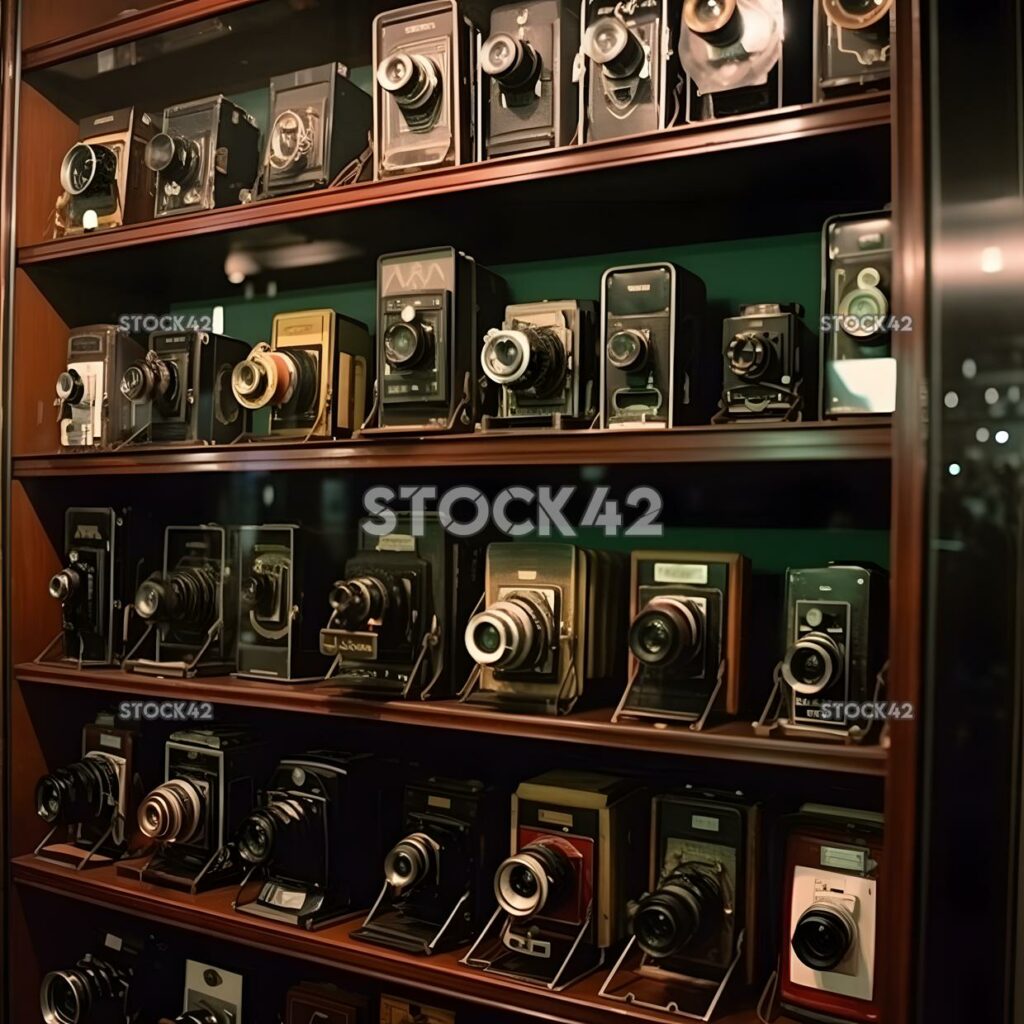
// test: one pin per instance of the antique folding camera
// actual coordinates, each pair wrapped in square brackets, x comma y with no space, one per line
[433,306]
[312,376]
[395,1010]
[657,368]
[731,51]
[394,616]
[696,926]
[181,390]
[190,605]
[860,371]
[312,1002]
[320,123]
[544,358]
[526,66]
[105,181]
[212,996]
[207,152]
[438,877]
[425,103]
[633,80]
[578,850]
[685,635]
[830,915]
[296,842]
[211,778]
[771,365]
[91,410]
[852,46]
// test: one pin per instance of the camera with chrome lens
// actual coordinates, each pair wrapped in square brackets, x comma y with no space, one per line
[852,46]
[212,996]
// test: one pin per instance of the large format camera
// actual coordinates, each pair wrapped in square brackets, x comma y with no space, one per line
[526,65]
[91,410]
[860,371]
[852,47]
[212,996]
[207,152]
[657,369]
[546,635]
[425,110]
[181,390]
[312,376]
[438,876]
[686,610]
[104,180]
[578,851]
[544,357]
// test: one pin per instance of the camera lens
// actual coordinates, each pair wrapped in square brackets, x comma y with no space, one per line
[172,156]
[864,308]
[857,14]
[525,358]
[64,585]
[534,878]
[667,629]
[515,634]
[412,860]
[173,812]
[255,589]
[87,169]
[407,342]
[719,22]
[79,792]
[291,140]
[813,663]
[92,991]
[271,377]
[152,379]
[610,43]
[749,355]
[687,904]
[628,350]
[261,831]
[513,63]
[412,79]
[359,601]
[823,937]
[70,387]
[187,596]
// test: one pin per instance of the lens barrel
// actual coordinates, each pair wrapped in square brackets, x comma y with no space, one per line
[532,879]
[515,634]
[610,43]
[667,630]
[173,812]
[80,792]
[513,63]
[824,936]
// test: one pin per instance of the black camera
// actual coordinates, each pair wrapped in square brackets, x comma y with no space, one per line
[657,368]
[526,66]
[212,996]
[852,46]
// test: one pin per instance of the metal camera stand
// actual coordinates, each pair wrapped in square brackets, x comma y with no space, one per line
[68,853]
[696,722]
[793,413]
[248,437]
[80,662]
[218,869]
[386,925]
[184,669]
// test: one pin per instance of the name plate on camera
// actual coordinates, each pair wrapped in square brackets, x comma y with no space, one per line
[403,542]
[678,572]
[843,859]
[357,646]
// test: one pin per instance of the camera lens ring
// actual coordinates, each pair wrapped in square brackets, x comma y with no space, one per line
[628,349]
[290,123]
[70,387]
[50,1004]
[408,343]
[360,600]
[822,648]
[823,936]
[79,792]
[172,813]
[538,359]
[717,22]
[531,879]
[502,371]
[87,168]
[64,585]
[412,79]
[614,47]
[173,156]
[512,634]
[410,861]
[862,310]
[681,624]
[513,63]
[856,14]
[749,355]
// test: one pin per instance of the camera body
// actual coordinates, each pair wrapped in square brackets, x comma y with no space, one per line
[104,180]
[544,359]
[425,88]
[323,1003]
[398,1010]
[181,389]
[312,376]
[860,371]
[212,996]
[320,122]
[547,635]
[91,411]
[657,368]
[852,47]
[526,76]
[205,154]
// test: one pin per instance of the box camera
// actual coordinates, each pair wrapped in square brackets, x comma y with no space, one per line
[312,376]
[578,850]
[298,841]
[207,152]
[686,627]
[212,996]
[633,80]
[860,371]
[104,180]
[424,97]
[852,47]
[544,358]
[830,916]
[438,877]
[771,365]
[545,635]
[657,369]
[209,789]
[394,615]
[394,1010]
[323,1003]
[526,66]
[181,389]
[320,123]
[91,410]
[432,308]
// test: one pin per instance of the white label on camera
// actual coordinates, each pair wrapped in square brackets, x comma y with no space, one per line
[527,574]
[704,822]
[554,818]
[843,859]
[286,899]
[439,801]
[114,742]
[114,942]
[679,572]
[397,542]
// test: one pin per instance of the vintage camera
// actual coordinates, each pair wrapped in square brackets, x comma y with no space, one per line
[181,389]
[207,152]
[830,916]
[212,996]
[657,368]
[860,371]
[424,97]
[633,81]
[211,778]
[312,1002]
[190,605]
[105,182]
[731,51]
[578,850]
[297,838]
[312,376]
[544,358]
[320,123]
[852,47]
[437,878]
[91,410]
[685,633]
[771,365]
[395,614]
[432,308]
[526,66]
